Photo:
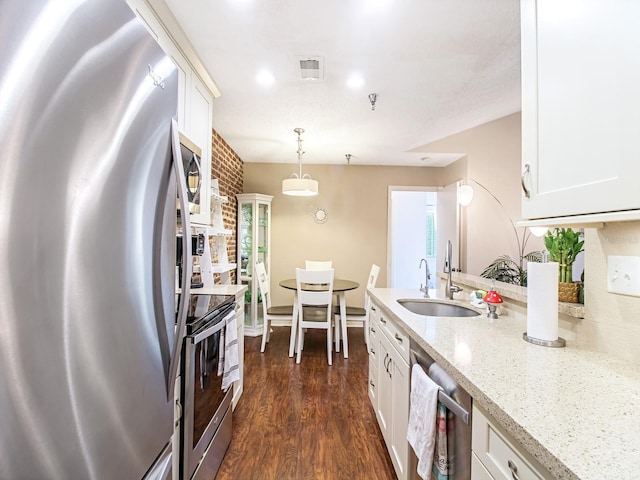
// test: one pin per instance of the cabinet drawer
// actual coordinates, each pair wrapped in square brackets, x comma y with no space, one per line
[501,455]
[478,472]
[372,386]
[374,313]
[398,339]
[374,333]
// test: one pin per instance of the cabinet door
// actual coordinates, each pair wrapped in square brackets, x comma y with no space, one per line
[184,80]
[374,348]
[385,388]
[580,115]
[478,472]
[500,454]
[399,448]
[157,30]
[199,130]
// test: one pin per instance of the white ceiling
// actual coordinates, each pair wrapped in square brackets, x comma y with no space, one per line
[438,67]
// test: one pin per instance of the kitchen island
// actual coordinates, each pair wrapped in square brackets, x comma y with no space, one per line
[576,411]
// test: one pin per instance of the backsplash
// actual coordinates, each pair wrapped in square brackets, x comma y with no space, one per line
[612,322]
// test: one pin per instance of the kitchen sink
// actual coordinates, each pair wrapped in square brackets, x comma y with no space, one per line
[435,308]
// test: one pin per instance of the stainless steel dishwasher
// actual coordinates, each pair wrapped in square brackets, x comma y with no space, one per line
[458,402]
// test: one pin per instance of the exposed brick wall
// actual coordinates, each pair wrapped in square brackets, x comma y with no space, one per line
[228,168]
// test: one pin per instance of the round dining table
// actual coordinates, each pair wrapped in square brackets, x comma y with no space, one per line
[340,286]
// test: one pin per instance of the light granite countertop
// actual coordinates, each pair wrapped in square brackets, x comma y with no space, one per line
[576,411]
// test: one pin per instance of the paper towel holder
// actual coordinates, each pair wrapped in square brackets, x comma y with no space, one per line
[560,342]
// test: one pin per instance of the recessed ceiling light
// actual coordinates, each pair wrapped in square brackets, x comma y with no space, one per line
[355,81]
[265,78]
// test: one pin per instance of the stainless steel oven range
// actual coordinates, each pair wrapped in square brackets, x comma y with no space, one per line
[205,429]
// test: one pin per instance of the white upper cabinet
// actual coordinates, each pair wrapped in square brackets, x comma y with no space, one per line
[580,107]
[198,127]
[195,99]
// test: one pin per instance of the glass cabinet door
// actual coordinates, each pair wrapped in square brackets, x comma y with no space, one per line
[246,236]
[254,237]
[263,232]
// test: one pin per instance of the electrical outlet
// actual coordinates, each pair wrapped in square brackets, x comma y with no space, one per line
[623,275]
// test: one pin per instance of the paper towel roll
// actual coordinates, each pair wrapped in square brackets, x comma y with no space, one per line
[542,300]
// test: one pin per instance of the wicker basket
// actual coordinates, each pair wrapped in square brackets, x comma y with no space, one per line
[568,292]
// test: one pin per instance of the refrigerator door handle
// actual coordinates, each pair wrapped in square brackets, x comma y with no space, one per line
[186,259]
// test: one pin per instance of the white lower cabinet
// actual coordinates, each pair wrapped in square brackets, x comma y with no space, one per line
[389,386]
[374,346]
[496,455]
[478,472]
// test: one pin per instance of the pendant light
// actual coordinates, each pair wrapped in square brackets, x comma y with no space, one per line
[298,184]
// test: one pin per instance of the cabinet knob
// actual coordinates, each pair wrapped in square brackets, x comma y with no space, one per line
[527,193]
[372,384]
[514,470]
[399,338]
[373,352]
[373,330]
[383,321]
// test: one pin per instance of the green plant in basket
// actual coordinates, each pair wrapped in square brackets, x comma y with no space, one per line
[564,245]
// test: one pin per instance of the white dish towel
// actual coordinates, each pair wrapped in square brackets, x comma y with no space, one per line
[421,432]
[229,345]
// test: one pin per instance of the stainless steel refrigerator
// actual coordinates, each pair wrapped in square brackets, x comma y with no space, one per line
[88,213]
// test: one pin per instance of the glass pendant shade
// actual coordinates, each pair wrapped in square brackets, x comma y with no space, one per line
[299,185]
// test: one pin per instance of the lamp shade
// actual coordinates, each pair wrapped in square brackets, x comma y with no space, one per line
[300,187]
[538,231]
[465,195]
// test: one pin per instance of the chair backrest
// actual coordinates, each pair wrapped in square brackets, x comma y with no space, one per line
[371,282]
[373,276]
[318,265]
[323,279]
[263,284]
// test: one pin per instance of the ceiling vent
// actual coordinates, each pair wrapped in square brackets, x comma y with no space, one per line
[310,68]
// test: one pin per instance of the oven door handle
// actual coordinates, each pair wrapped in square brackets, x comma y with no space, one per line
[216,327]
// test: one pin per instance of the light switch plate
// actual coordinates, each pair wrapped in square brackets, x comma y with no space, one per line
[623,275]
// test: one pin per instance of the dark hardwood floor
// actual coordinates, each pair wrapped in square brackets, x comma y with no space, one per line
[307,421]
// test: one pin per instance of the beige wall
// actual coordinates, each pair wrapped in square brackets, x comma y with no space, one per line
[355,198]
[612,322]
[493,153]
[355,234]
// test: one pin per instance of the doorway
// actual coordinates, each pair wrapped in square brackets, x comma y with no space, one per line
[421,221]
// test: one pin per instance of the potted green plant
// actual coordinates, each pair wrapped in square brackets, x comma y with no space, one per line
[564,245]
[510,270]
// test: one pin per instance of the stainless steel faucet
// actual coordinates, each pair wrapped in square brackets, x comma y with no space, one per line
[427,275]
[449,289]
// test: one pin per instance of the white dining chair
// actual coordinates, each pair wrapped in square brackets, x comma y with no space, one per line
[314,306]
[318,265]
[269,313]
[359,314]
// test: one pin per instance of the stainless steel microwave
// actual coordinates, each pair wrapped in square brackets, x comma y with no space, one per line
[191,161]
